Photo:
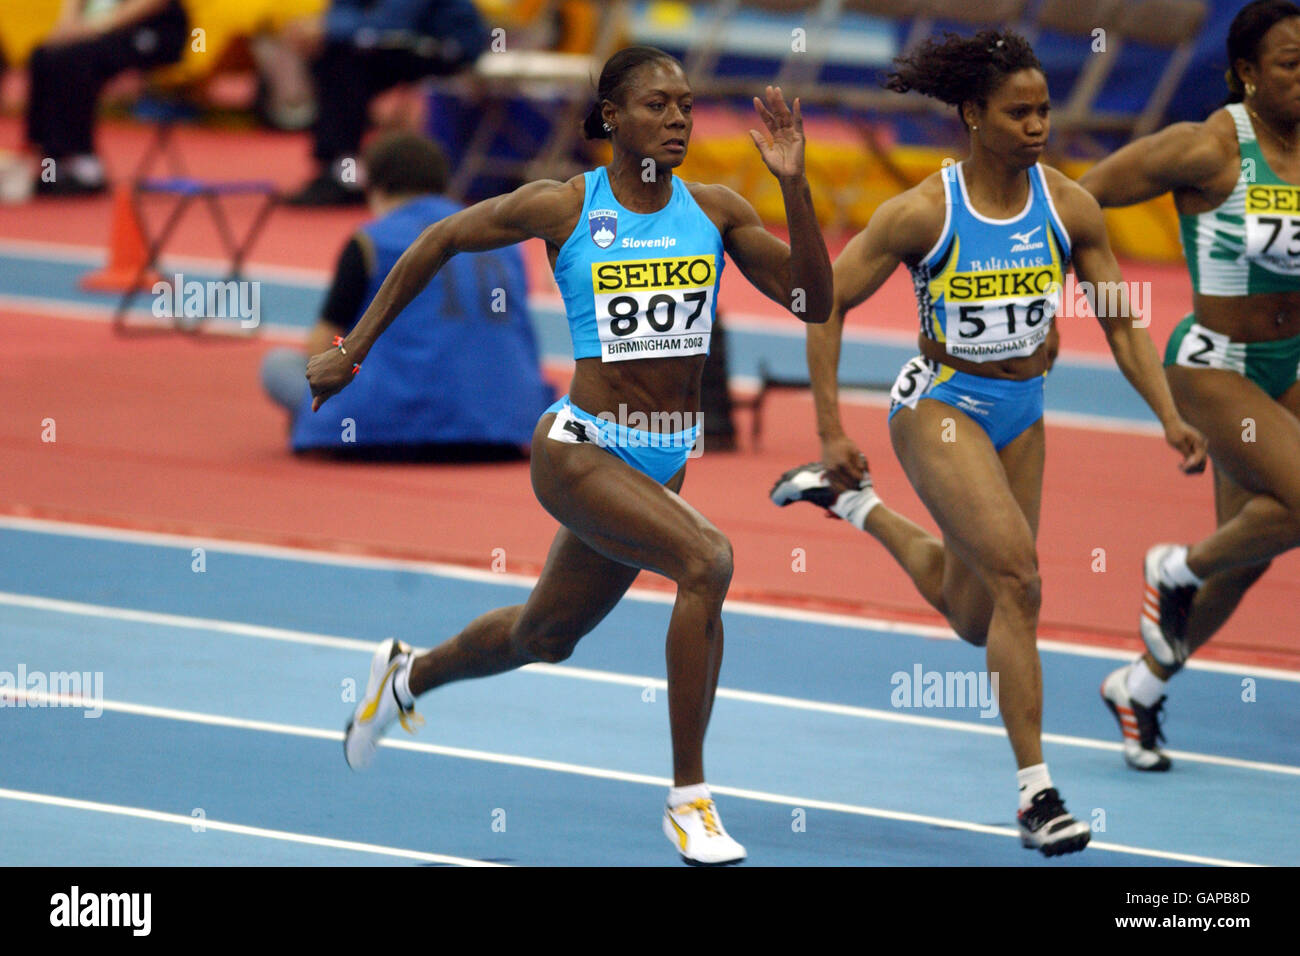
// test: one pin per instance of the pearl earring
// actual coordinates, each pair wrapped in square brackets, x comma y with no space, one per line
[608,128]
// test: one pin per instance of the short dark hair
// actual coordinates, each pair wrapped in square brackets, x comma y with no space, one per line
[957,69]
[1246,34]
[405,164]
[613,79]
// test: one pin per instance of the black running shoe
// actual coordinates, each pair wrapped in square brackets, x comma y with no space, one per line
[1047,826]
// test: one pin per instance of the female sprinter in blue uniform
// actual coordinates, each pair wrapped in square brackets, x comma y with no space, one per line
[637,254]
[1233,364]
[987,241]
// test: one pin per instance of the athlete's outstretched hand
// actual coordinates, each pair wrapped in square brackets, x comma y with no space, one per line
[844,460]
[1189,443]
[782,146]
[327,373]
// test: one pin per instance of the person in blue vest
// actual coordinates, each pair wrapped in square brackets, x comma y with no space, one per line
[422,395]
[637,254]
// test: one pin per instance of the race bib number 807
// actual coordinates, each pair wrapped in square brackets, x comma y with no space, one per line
[654,308]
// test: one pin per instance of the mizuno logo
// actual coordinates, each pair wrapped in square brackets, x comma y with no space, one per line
[1025,236]
[973,404]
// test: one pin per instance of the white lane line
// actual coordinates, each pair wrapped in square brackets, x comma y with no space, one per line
[274,332]
[95,312]
[94,256]
[898,717]
[435,569]
[607,677]
[548,301]
[557,766]
[238,828]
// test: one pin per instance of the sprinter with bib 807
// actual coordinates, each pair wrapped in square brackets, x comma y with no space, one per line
[637,254]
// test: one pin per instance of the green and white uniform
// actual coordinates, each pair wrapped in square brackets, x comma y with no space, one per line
[1248,245]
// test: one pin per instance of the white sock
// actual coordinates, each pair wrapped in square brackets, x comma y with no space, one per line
[1032,780]
[855,504]
[696,791]
[1143,686]
[402,684]
[86,168]
[1174,569]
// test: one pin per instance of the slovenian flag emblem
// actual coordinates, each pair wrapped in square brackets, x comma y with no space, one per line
[603,224]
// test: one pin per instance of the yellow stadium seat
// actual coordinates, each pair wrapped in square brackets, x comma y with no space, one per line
[215,24]
[24,25]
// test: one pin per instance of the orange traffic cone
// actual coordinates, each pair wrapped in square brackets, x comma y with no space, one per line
[127,251]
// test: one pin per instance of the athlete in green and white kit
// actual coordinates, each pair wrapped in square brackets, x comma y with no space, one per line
[1232,365]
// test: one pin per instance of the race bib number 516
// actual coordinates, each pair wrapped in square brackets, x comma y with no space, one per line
[654,308]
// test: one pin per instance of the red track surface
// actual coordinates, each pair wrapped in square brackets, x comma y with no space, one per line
[173,434]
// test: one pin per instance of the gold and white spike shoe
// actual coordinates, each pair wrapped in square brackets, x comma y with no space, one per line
[696,830]
[379,706]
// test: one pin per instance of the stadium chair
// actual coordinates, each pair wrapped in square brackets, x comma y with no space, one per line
[176,96]
[1077,20]
[561,82]
[864,94]
[23,26]
[1171,25]
[985,15]
[909,11]
[797,68]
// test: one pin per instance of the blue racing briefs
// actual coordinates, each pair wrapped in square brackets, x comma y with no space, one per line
[658,454]
[1003,407]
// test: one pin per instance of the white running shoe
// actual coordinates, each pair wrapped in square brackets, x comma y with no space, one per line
[696,830]
[1047,826]
[379,706]
[811,483]
[1164,611]
[1140,725]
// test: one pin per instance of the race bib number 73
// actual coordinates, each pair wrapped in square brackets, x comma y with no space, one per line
[654,308]
[1273,227]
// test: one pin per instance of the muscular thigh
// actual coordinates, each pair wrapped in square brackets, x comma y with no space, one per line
[577,588]
[1254,440]
[985,502]
[615,522]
